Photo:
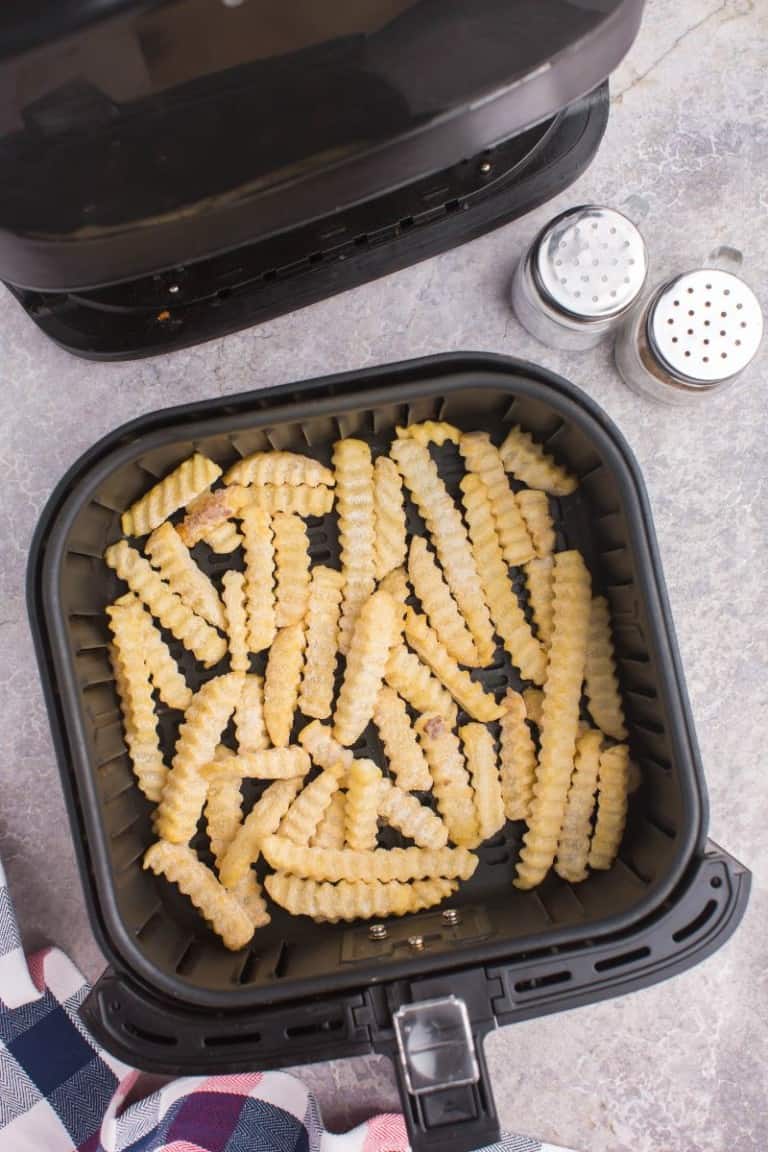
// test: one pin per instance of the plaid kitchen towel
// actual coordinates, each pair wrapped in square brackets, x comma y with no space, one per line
[60,1092]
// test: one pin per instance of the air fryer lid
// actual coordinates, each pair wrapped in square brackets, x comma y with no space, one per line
[204,126]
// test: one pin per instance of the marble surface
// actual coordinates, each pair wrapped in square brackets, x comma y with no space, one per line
[682,1065]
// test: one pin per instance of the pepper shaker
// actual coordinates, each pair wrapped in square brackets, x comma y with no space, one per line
[692,337]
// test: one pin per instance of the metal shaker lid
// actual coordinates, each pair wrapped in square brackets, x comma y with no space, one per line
[590,263]
[705,326]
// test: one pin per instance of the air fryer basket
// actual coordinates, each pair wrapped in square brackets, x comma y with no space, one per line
[165,958]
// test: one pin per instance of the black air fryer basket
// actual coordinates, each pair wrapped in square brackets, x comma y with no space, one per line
[428,991]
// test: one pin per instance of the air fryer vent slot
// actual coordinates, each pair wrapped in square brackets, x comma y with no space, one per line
[622,960]
[546,981]
[696,924]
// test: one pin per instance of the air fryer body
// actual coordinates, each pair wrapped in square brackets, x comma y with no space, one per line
[137,137]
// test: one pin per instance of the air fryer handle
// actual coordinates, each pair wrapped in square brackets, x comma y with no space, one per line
[459,1118]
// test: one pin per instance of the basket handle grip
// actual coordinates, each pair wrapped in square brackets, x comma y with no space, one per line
[442,1076]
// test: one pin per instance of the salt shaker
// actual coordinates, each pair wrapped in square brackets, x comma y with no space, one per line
[581,276]
[692,337]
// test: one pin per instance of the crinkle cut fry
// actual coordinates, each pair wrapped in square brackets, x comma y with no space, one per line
[538,584]
[528,462]
[186,787]
[362,810]
[467,692]
[171,611]
[355,506]
[534,505]
[269,764]
[208,518]
[390,542]
[482,458]
[560,717]
[316,696]
[139,722]
[282,683]
[402,749]
[181,866]
[330,831]
[483,766]
[449,537]
[191,478]
[317,740]
[259,546]
[305,813]
[375,632]
[414,819]
[524,649]
[250,729]
[602,684]
[428,432]
[263,820]
[279,468]
[292,562]
[174,562]
[233,593]
[163,670]
[358,900]
[573,845]
[412,679]
[518,758]
[452,790]
[612,791]
[382,864]
[439,605]
[300,501]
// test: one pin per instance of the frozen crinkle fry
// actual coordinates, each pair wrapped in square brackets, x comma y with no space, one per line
[186,787]
[382,864]
[305,813]
[412,818]
[375,632]
[269,764]
[292,560]
[453,793]
[389,546]
[357,900]
[559,718]
[602,685]
[404,755]
[259,544]
[518,758]
[534,505]
[250,896]
[250,729]
[282,683]
[362,810]
[439,604]
[482,458]
[430,432]
[483,768]
[223,538]
[613,782]
[139,719]
[223,814]
[279,468]
[412,680]
[528,462]
[445,526]
[467,692]
[219,907]
[316,696]
[538,584]
[172,558]
[324,751]
[207,515]
[573,844]
[300,501]
[355,506]
[330,830]
[176,490]
[263,820]
[170,609]
[524,649]
[233,595]
[163,670]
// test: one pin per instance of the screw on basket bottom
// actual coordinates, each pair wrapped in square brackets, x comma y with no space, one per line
[451,916]
[377,932]
[416,943]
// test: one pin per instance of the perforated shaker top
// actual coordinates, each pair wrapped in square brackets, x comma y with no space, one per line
[591,262]
[706,325]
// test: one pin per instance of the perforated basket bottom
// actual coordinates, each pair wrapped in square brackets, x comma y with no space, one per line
[154,927]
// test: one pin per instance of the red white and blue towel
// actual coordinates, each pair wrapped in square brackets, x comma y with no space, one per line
[61,1092]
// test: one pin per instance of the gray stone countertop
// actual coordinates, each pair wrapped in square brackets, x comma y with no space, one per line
[681,1065]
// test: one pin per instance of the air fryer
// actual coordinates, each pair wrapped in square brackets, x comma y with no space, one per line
[177,169]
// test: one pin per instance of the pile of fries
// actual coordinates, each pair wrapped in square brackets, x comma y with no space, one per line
[389,639]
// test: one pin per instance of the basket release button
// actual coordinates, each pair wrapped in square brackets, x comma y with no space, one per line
[435,1045]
